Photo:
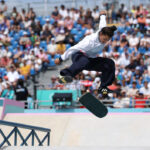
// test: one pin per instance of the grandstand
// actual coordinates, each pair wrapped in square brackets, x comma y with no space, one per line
[32,38]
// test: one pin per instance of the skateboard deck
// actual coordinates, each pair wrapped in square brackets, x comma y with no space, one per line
[93,105]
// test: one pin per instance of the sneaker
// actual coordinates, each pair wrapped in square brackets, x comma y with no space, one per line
[104,90]
[65,79]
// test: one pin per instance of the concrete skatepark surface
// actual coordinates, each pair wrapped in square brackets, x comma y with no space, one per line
[119,131]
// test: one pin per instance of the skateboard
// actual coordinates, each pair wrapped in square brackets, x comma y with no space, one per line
[93,105]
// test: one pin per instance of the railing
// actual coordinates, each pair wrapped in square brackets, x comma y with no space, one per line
[17,134]
[107,102]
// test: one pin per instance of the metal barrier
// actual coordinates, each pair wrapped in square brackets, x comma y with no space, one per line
[17,133]
[107,102]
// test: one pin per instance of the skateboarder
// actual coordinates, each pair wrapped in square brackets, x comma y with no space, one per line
[84,56]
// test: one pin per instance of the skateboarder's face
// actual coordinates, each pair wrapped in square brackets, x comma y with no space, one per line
[103,38]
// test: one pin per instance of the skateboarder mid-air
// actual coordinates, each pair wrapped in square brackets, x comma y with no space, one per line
[85,57]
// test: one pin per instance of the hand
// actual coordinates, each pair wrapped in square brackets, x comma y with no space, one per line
[57,61]
[103,12]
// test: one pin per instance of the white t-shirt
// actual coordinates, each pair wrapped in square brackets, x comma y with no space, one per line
[27,23]
[123,61]
[63,13]
[123,103]
[133,41]
[89,31]
[95,15]
[76,16]
[51,48]
[12,76]
[145,91]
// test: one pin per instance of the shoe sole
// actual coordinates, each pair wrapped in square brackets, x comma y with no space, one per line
[65,79]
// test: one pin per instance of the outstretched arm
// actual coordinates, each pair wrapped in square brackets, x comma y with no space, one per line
[102,22]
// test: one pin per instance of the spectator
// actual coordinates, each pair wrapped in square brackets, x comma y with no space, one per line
[36,48]
[1,18]
[60,47]
[145,90]
[46,34]
[69,38]
[31,14]
[133,90]
[23,14]
[89,19]
[137,74]
[124,60]
[89,30]
[26,22]
[24,40]
[12,74]
[44,58]
[6,39]
[3,7]
[25,69]
[96,83]
[123,101]
[141,22]
[63,11]
[68,23]
[37,63]
[47,25]
[17,53]
[1,85]
[95,15]
[8,92]
[21,91]
[140,101]
[55,13]
[5,61]
[37,28]
[54,83]
[51,48]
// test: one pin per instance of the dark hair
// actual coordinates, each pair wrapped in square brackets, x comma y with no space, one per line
[20,82]
[108,31]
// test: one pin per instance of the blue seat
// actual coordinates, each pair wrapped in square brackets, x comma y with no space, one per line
[121,29]
[43,44]
[42,22]
[80,34]
[83,30]
[142,50]
[68,46]
[76,38]
[10,48]
[74,31]
[16,36]
[49,57]
[79,27]
[52,21]
[56,56]
[75,24]
[52,63]
[11,22]
[39,18]
[12,40]
[15,44]
[32,71]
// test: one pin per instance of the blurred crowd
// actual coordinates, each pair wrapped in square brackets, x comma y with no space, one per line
[29,44]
